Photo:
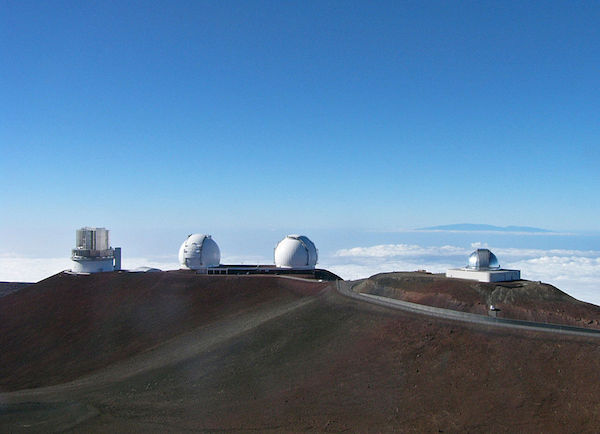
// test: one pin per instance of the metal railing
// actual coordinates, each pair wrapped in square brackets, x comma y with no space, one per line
[88,253]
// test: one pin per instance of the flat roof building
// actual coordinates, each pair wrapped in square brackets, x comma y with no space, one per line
[483,266]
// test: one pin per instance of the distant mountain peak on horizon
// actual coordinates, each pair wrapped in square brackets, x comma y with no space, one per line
[471,227]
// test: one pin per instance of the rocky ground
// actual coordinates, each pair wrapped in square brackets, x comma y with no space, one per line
[178,351]
[523,299]
[10,287]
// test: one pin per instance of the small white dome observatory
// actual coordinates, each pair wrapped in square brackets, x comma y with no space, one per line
[483,259]
[199,251]
[483,266]
[296,251]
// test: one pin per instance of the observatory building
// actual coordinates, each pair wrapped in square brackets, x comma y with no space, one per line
[296,251]
[294,255]
[93,253]
[484,267]
[199,251]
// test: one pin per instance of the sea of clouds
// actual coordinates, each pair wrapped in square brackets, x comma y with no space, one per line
[576,272]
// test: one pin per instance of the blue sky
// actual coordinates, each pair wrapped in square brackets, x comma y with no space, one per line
[238,117]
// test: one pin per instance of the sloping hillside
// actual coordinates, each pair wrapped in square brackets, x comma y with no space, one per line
[523,299]
[67,325]
[10,287]
[304,358]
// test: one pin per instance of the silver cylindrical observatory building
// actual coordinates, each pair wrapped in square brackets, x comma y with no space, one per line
[93,253]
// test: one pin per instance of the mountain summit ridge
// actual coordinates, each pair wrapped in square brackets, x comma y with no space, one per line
[476,227]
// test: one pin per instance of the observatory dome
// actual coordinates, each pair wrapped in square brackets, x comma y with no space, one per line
[483,259]
[296,251]
[199,251]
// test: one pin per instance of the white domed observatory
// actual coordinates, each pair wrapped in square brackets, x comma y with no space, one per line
[199,251]
[93,253]
[296,251]
[483,266]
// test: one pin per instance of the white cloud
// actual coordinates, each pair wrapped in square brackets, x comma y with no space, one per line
[21,269]
[404,250]
[536,253]
[14,268]
[576,275]
[162,263]
[414,250]
[363,269]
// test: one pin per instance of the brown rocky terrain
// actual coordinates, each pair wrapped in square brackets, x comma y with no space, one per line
[178,352]
[69,325]
[523,299]
[10,287]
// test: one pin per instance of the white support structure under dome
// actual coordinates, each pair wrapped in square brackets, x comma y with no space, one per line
[483,266]
[199,251]
[93,253]
[296,251]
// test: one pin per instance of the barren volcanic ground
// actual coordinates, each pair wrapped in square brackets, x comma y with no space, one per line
[10,287]
[523,299]
[177,351]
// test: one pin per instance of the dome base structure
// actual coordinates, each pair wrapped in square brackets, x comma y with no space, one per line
[92,265]
[483,266]
[484,275]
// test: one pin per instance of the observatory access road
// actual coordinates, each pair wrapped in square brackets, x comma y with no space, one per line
[345,288]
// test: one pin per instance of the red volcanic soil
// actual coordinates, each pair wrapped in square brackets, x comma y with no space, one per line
[523,299]
[69,325]
[328,364]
